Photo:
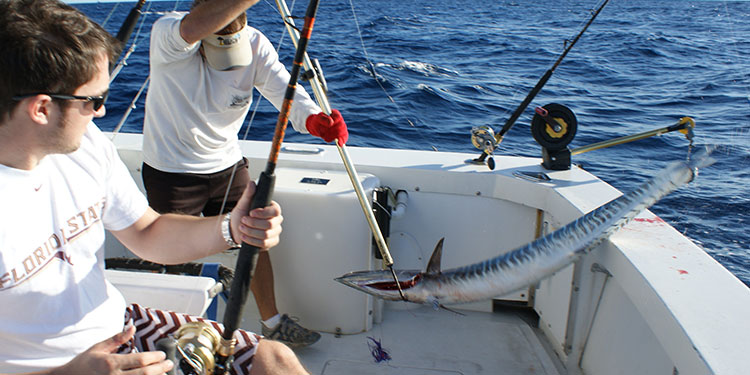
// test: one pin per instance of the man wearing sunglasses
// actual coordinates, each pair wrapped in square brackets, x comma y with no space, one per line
[97,101]
[62,185]
[204,66]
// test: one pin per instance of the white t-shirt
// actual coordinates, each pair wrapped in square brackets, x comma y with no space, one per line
[54,300]
[193,112]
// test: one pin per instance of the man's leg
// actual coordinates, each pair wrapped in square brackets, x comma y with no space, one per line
[274,326]
[275,358]
[262,287]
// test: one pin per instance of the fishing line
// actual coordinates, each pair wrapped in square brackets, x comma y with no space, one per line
[250,120]
[375,77]
[111,12]
[734,49]
[257,102]
[581,23]
[735,147]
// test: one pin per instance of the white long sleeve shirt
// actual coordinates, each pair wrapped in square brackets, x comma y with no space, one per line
[193,112]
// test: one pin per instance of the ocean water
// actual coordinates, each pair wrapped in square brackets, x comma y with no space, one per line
[419,74]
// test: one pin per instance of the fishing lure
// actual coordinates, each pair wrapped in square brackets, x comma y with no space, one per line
[377,351]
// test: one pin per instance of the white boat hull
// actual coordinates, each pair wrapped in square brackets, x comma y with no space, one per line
[646,301]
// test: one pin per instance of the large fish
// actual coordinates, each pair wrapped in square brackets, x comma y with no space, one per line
[530,263]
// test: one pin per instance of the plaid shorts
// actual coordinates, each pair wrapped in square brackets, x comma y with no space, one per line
[152,325]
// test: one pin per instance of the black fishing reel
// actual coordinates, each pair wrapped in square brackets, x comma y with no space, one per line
[192,349]
[553,127]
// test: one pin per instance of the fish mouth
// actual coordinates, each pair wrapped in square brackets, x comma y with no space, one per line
[380,283]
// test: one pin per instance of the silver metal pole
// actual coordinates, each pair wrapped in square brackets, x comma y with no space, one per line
[322,99]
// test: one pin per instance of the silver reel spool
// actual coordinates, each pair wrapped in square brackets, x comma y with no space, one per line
[483,138]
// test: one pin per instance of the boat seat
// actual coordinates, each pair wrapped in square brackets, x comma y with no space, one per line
[179,293]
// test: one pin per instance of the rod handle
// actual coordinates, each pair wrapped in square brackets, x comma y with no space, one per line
[246,261]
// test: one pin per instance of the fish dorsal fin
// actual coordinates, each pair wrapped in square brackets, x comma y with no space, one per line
[433,266]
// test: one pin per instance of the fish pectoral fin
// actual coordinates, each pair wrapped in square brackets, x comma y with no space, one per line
[433,266]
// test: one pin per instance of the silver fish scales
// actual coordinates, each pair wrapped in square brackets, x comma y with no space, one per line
[532,262]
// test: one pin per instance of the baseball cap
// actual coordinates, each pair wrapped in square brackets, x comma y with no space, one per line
[226,52]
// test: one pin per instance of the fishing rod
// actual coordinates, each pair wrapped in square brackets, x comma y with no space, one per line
[248,254]
[315,75]
[489,144]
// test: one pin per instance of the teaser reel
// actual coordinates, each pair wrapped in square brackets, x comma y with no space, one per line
[554,127]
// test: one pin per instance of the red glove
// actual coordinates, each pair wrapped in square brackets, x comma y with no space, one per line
[328,127]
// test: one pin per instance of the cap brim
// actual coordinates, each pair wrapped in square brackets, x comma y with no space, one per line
[223,56]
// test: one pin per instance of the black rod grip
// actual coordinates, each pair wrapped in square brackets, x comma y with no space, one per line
[127,27]
[248,256]
[246,261]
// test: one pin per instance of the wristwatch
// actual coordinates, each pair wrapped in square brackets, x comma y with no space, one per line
[226,231]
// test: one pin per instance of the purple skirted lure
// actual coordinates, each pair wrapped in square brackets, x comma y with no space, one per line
[377,351]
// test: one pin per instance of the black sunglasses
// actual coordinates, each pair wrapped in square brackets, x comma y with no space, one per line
[98,101]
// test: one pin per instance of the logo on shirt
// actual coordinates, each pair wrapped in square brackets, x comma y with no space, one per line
[239,101]
[53,248]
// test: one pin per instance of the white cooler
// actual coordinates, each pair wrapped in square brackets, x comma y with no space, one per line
[325,235]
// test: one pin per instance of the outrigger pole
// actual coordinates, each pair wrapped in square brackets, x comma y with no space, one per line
[129,24]
[317,81]
[126,29]
[248,255]
[542,81]
[685,126]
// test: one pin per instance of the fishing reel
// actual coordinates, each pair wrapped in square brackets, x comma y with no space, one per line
[483,138]
[553,127]
[192,349]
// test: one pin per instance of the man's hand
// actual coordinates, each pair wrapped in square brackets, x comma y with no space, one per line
[328,127]
[262,227]
[103,359]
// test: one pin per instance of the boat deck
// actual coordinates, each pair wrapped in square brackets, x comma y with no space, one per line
[421,341]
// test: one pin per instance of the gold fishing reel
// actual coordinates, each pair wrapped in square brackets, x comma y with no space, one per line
[199,342]
[192,348]
[483,138]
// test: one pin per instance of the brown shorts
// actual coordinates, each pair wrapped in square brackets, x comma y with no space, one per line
[192,193]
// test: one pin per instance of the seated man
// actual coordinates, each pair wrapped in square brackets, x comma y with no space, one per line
[61,185]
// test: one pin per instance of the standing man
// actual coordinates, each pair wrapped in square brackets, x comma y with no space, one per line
[204,66]
[62,184]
